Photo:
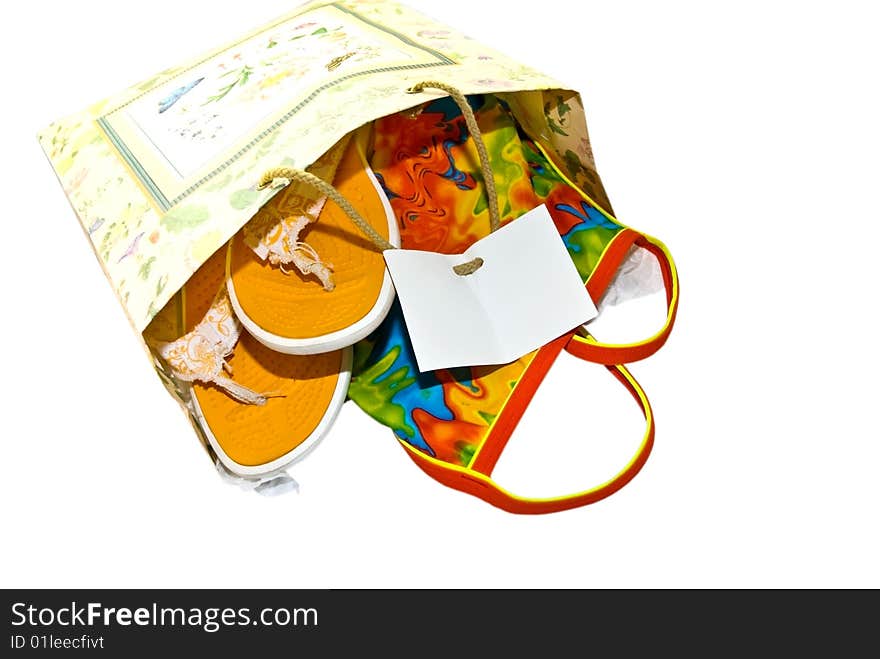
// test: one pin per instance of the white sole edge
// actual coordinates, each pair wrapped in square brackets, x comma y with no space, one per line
[340,395]
[334,340]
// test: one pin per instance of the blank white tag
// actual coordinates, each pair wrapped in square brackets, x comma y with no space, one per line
[527,293]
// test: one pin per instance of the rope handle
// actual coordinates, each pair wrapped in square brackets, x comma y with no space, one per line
[302,176]
[482,152]
[291,174]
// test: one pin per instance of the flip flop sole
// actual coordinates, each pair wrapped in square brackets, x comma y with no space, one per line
[307,393]
[293,314]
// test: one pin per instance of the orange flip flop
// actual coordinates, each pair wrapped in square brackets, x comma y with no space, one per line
[342,290]
[260,411]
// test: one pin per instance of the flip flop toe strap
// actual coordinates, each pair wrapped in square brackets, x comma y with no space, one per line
[201,354]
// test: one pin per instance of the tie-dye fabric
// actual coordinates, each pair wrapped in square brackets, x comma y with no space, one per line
[429,169]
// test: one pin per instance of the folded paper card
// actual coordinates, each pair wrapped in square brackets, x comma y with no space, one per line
[519,291]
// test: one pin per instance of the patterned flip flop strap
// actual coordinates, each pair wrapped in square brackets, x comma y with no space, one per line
[201,354]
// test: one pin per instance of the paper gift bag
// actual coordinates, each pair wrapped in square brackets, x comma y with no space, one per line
[164,174]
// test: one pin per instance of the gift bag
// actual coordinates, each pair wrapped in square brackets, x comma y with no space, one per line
[241,205]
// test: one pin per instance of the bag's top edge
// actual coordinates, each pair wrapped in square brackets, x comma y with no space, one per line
[162,175]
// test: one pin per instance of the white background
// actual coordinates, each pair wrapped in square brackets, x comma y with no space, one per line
[744,135]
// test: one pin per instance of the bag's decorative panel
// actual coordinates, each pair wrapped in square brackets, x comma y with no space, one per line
[164,174]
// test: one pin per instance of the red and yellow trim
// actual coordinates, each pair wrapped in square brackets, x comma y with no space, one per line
[476,480]
[588,347]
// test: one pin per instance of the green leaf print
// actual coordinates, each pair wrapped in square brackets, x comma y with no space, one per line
[556,128]
[184,218]
[144,272]
[241,199]
[242,75]
[573,163]
[562,108]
